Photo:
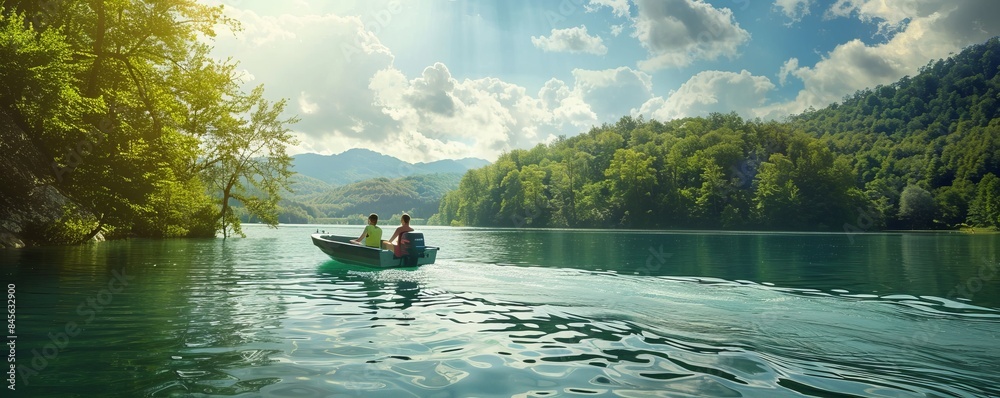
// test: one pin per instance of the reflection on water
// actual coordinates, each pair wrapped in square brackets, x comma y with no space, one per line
[519,313]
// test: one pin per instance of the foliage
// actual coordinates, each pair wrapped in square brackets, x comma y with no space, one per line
[985,208]
[71,226]
[914,154]
[134,117]
[939,130]
[248,161]
[715,172]
[916,206]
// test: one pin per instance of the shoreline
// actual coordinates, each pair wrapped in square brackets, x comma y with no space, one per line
[12,241]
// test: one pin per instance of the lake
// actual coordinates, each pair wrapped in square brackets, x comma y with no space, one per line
[514,313]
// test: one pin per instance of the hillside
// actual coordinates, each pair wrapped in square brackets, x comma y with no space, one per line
[361,164]
[938,133]
[921,153]
[418,195]
[312,199]
[361,181]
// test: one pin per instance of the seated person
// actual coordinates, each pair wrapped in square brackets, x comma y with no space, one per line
[397,236]
[372,234]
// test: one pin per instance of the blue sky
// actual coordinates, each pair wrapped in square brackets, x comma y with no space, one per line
[430,79]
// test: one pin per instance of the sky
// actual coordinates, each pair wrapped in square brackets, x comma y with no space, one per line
[425,80]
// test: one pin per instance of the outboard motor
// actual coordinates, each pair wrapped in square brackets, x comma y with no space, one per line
[413,248]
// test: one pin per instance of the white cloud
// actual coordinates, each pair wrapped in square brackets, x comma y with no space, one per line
[891,15]
[553,93]
[571,40]
[712,91]
[473,117]
[678,32]
[244,76]
[794,9]
[306,106]
[613,92]
[343,84]
[322,63]
[432,92]
[928,30]
[576,112]
[787,68]
[565,104]
[618,7]
[486,116]
[347,92]
[617,30]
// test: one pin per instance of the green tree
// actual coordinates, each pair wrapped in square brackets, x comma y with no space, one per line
[952,202]
[631,176]
[126,49]
[711,195]
[512,200]
[41,113]
[777,201]
[916,206]
[129,88]
[593,209]
[985,208]
[249,157]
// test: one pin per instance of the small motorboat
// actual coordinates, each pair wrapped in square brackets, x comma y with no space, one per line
[414,252]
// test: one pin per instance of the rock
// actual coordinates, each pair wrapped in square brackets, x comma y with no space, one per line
[9,241]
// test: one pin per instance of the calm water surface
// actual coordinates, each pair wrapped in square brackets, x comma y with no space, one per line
[508,313]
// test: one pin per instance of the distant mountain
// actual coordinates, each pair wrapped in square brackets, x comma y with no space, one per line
[362,164]
[451,165]
[419,195]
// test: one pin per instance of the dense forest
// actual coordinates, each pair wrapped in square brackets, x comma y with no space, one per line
[116,121]
[921,153]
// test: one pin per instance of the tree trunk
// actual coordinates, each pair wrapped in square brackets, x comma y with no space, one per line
[222,215]
[92,83]
[225,210]
[92,234]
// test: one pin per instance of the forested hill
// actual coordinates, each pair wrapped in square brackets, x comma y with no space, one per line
[314,201]
[938,133]
[417,195]
[920,153]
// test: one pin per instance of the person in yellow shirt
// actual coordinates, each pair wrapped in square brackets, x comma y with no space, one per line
[372,235]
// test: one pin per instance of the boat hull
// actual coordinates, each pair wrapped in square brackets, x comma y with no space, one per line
[340,248]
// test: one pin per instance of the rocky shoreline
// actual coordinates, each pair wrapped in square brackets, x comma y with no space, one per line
[40,207]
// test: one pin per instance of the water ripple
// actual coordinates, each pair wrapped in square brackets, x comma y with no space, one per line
[241,320]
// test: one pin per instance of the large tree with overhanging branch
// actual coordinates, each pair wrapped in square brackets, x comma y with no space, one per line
[138,124]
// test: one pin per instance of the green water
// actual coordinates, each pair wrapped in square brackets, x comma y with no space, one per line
[514,313]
